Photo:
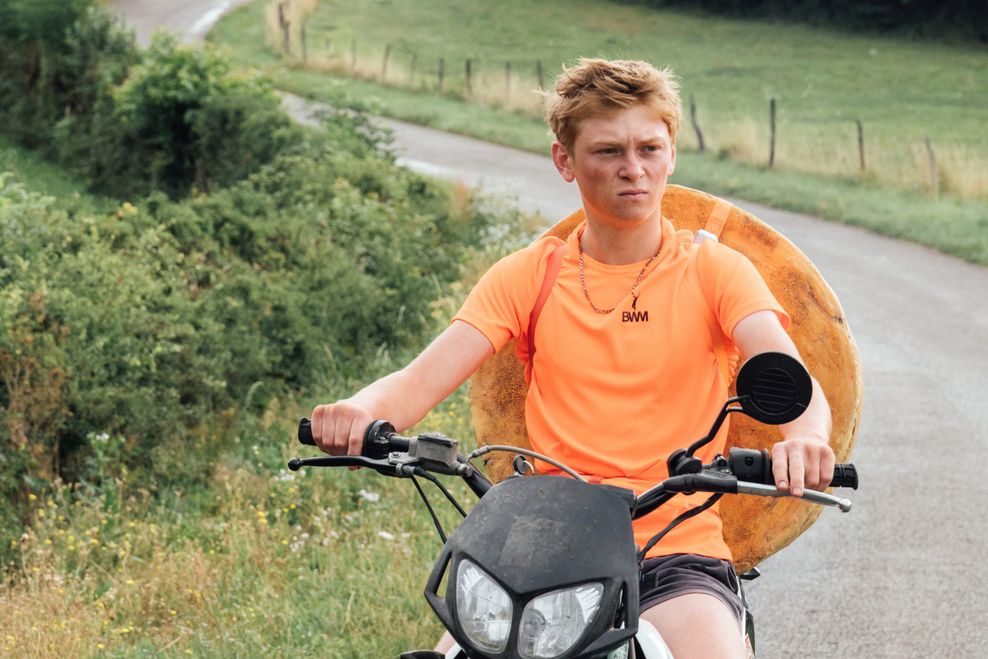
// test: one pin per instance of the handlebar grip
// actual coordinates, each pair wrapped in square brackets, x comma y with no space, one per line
[379,439]
[845,475]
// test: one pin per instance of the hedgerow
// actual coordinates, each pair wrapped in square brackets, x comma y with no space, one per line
[253,259]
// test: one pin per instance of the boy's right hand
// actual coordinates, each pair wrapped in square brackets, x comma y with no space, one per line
[339,428]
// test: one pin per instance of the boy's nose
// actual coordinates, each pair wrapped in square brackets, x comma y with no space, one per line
[631,169]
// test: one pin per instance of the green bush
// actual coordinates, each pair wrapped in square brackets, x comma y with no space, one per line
[191,120]
[100,335]
[150,324]
[32,44]
[301,258]
[172,118]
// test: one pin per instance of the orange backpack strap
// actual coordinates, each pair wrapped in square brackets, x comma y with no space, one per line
[551,270]
[716,222]
[711,232]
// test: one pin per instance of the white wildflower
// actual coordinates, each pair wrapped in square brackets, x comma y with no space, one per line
[367,495]
[285,476]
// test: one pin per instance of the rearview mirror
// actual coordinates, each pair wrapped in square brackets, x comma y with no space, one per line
[774,388]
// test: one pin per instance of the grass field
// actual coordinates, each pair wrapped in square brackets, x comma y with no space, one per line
[903,92]
[822,80]
[38,175]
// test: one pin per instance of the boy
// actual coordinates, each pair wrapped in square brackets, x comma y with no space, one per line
[609,397]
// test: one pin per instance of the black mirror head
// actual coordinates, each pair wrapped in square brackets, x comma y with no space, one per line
[774,388]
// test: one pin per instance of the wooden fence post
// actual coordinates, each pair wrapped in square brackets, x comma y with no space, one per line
[353,54]
[411,72]
[305,45]
[696,125]
[283,23]
[861,149]
[442,72]
[771,145]
[469,75]
[539,73]
[934,175]
[507,78]
[384,63]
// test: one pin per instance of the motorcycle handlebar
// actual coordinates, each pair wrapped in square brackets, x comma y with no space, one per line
[749,465]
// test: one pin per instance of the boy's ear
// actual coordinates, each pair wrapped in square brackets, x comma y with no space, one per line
[564,163]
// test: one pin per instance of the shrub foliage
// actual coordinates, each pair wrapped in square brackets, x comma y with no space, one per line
[172,118]
[256,259]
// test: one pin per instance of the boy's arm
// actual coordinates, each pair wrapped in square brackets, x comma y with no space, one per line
[406,396]
[803,458]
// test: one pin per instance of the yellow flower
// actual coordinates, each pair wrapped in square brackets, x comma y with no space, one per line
[100,646]
[30,497]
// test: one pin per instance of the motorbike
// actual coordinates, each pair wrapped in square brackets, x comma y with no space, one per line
[546,567]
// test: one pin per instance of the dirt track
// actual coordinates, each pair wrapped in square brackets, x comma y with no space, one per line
[904,574]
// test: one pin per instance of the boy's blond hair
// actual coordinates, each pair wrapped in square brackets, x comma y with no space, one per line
[594,86]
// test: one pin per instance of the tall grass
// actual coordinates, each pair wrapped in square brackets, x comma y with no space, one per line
[258,562]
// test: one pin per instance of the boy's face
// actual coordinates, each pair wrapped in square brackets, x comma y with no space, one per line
[621,161]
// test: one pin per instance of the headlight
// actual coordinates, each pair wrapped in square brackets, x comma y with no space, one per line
[482,607]
[553,622]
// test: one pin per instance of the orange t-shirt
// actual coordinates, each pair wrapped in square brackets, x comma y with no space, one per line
[612,395]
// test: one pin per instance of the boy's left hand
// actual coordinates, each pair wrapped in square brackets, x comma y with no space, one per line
[799,463]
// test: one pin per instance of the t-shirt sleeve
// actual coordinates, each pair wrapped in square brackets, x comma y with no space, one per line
[736,288]
[501,302]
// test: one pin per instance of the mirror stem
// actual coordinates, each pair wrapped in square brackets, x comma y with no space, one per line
[727,409]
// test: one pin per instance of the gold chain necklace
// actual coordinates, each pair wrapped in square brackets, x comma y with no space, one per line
[586,293]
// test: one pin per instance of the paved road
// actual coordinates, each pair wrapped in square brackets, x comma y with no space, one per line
[904,574]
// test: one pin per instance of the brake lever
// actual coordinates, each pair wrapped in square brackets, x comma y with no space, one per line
[821,498]
[383,467]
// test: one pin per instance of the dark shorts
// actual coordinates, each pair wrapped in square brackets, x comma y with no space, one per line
[666,577]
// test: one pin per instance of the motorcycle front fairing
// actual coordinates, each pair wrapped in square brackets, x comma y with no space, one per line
[536,537]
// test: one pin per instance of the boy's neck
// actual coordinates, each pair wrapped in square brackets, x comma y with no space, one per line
[615,244]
